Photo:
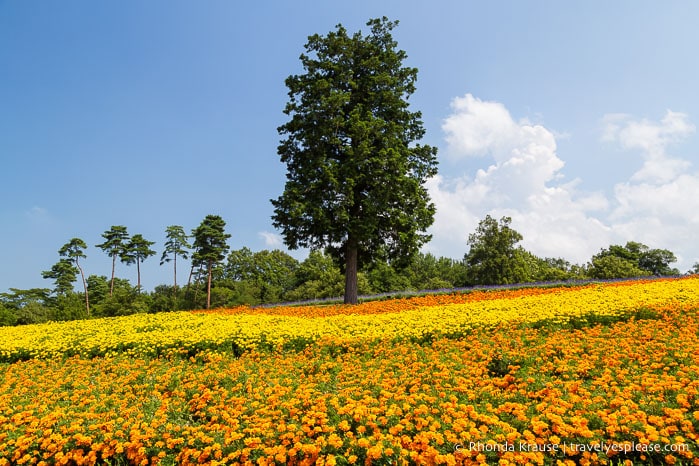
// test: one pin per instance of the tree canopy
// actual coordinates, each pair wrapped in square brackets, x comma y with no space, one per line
[631,260]
[493,257]
[64,271]
[355,173]
[63,274]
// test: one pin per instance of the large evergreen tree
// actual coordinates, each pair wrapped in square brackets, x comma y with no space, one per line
[355,180]
[210,247]
[115,242]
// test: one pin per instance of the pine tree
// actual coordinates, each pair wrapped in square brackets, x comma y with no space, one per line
[116,239]
[136,251]
[64,271]
[177,245]
[210,247]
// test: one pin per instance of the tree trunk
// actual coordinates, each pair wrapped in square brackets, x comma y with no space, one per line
[174,288]
[87,299]
[208,289]
[198,278]
[351,272]
[111,287]
[138,273]
[175,267]
[191,273]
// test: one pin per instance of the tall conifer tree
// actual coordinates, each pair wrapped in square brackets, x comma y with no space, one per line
[355,173]
[210,247]
[136,251]
[116,240]
[177,245]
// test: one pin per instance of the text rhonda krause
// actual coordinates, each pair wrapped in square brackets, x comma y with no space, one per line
[602,447]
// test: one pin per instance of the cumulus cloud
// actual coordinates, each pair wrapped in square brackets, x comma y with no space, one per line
[522,177]
[659,204]
[652,139]
[477,128]
[524,181]
[271,239]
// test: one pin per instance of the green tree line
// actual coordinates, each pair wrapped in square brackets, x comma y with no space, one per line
[219,277]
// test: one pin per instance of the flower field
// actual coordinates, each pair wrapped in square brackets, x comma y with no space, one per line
[594,374]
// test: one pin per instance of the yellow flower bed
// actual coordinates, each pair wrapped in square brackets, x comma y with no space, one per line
[152,334]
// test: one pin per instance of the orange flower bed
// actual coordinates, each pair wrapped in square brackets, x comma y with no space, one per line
[627,391]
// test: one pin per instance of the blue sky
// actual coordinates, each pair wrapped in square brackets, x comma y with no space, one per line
[577,119]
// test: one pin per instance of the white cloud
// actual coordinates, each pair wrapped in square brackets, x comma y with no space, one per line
[524,182]
[659,204]
[652,140]
[523,179]
[271,239]
[476,128]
